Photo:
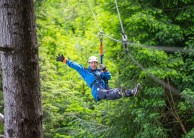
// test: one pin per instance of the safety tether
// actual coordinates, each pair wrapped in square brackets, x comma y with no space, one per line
[101,47]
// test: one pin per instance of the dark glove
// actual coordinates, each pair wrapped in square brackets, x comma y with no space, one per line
[102,67]
[60,58]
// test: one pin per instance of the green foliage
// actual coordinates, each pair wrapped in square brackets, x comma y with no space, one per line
[69,28]
[190,134]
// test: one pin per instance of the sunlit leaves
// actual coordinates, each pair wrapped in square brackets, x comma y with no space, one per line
[68,27]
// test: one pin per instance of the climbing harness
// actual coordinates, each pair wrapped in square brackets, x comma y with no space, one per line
[98,78]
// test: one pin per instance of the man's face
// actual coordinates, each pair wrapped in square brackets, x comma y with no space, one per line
[93,65]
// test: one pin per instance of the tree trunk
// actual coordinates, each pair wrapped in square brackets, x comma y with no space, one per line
[21,81]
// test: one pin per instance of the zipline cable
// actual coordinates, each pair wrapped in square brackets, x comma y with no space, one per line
[100,34]
[126,43]
[119,41]
[95,19]
[94,16]
[163,83]
[123,32]
[165,48]
[124,36]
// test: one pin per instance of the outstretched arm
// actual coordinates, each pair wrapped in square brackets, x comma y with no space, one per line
[79,68]
[75,66]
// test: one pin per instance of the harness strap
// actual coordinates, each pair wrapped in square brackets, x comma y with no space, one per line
[94,83]
[98,78]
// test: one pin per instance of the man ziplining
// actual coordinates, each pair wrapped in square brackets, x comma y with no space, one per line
[97,79]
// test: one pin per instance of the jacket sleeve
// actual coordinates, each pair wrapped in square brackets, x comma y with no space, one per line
[106,75]
[79,68]
[88,77]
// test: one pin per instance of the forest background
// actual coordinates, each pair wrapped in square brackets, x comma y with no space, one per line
[161,40]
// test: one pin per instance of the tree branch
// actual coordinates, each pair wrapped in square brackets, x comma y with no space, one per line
[174,112]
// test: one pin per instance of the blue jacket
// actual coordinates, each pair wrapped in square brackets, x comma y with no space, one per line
[89,77]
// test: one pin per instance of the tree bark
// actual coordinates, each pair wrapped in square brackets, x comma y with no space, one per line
[20,68]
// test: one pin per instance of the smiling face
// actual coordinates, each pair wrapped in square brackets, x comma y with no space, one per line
[93,65]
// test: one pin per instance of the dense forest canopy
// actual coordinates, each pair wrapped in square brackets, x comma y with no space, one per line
[161,42]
